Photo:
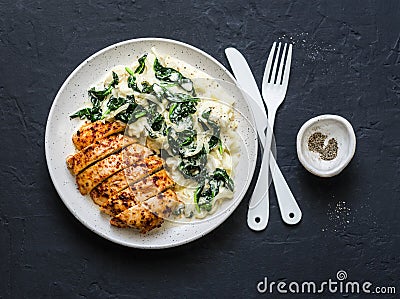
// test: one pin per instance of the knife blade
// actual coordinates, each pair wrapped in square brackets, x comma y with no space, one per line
[247,82]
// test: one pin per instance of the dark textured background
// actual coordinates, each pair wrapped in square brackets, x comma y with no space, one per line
[346,62]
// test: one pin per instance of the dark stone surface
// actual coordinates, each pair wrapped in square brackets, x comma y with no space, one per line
[346,62]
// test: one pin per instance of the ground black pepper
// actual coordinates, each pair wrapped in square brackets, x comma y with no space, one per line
[316,143]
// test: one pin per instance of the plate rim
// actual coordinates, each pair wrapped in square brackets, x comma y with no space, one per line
[224,215]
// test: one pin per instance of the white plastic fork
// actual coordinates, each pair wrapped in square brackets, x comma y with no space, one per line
[274,89]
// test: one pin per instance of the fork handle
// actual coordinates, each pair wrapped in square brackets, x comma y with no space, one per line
[290,210]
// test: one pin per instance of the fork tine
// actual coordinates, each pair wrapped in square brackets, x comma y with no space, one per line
[269,63]
[287,67]
[275,64]
[279,77]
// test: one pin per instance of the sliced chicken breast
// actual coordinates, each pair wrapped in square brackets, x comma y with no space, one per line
[109,188]
[119,181]
[152,185]
[142,169]
[138,192]
[119,203]
[95,174]
[90,132]
[97,151]
[149,214]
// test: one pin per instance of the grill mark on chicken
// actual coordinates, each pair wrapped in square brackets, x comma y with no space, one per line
[152,185]
[119,203]
[149,214]
[97,151]
[109,188]
[119,181]
[95,174]
[143,168]
[90,132]
[138,192]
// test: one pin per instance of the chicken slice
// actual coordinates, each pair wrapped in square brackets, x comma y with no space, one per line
[90,132]
[149,214]
[97,151]
[119,203]
[142,169]
[109,188]
[138,192]
[95,174]
[119,181]
[152,185]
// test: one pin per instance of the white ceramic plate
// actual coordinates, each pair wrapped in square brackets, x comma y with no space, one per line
[60,128]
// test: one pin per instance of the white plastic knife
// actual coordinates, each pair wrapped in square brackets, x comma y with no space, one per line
[290,211]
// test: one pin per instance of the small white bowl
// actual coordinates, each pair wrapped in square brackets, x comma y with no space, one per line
[333,126]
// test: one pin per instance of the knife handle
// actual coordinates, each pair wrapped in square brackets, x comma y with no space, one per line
[258,213]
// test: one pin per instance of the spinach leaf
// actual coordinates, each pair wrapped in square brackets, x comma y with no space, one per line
[83,113]
[173,143]
[205,194]
[186,137]
[132,113]
[197,194]
[182,98]
[162,93]
[132,80]
[213,142]
[166,73]
[171,75]
[142,64]
[115,80]
[147,88]
[93,114]
[113,104]
[139,70]
[151,133]
[178,140]
[215,138]
[100,95]
[221,175]
[207,191]
[155,119]
[157,122]
[206,114]
[96,97]
[179,111]
[194,167]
